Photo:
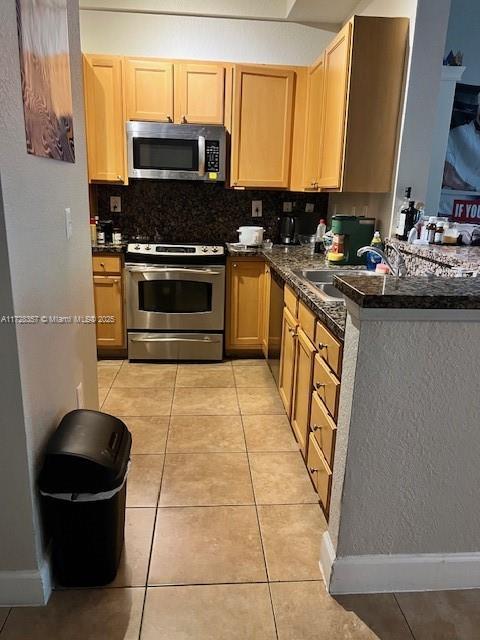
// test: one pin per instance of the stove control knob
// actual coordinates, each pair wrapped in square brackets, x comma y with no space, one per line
[215,250]
[148,247]
[137,247]
[204,249]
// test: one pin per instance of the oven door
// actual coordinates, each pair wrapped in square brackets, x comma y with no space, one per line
[176,297]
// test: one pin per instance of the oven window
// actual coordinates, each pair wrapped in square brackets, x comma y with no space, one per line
[175,296]
[165,154]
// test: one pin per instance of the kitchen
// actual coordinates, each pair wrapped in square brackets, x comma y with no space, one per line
[255,366]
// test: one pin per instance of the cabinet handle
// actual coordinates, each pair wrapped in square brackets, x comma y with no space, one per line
[102,264]
[169,119]
[234,265]
[322,345]
[115,280]
[120,178]
[184,120]
[319,385]
[292,332]
[312,470]
[316,427]
[234,184]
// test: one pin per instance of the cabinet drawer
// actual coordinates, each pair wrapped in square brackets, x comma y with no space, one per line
[306,320]
[291,300]
[323,428]
[107,264]
[319,472]
[329,348]
[327,385]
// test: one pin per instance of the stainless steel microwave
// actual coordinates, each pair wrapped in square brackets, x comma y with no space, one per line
[176,151]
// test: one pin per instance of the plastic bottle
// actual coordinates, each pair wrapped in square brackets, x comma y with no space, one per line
[321,230]
[372,258]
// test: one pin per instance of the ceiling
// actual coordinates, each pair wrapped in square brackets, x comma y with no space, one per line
[319,12]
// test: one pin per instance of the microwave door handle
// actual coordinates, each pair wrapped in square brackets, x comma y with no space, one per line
[201,155]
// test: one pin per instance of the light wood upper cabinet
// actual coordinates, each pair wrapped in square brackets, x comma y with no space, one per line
[313,142]
[358,123]
[104,118]
[108,298]
[200,93]
[245,299]
[304,361]
[337,67]
[149,89]
[262,126]
[287,360]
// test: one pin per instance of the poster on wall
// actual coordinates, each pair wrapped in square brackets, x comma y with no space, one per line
[460,198]
[45,74]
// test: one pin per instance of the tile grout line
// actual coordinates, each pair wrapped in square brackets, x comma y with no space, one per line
[2,627]
[156,508]
[404,615]
[257,516]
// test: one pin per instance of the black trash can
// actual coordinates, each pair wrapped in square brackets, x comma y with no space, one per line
[83,484]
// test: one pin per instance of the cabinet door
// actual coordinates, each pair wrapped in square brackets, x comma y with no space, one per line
[302,393]
[149,89]
[287,360]
[104,119]
[200,93]
[109,302]
[311,170]
[267,279]
[262,126]
[337,67]
[245,304]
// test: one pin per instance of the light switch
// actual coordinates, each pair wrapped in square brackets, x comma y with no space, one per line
[115,204]
[256,208]
[68,223]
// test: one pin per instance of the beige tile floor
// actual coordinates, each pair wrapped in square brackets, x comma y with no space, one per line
[223,528]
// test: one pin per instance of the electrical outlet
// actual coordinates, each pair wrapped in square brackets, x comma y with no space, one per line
[309,207]
[256,208]
[68,223]
[80,396]
[115,204]
[287,207]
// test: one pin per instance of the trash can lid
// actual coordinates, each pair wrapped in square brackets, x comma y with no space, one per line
[88,453]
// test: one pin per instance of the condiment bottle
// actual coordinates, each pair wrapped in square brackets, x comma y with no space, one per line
[431,228]
[439,234]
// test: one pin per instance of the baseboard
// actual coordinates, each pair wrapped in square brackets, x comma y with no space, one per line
[389,573]
[26,588]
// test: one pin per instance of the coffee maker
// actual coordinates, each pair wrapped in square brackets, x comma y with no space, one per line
[288,226]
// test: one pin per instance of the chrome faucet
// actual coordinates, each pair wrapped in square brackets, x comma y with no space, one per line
[398,269]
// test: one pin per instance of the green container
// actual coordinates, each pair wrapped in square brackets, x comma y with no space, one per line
[358,232]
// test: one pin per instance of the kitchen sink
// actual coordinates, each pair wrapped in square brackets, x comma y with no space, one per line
[321,281]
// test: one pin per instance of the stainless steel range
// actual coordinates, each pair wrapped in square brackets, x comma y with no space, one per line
[175,298]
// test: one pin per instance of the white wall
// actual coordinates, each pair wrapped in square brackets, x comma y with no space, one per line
[48,276]
[197,38]
[462,35]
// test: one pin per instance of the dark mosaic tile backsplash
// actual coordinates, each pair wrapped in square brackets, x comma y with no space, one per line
[174,211]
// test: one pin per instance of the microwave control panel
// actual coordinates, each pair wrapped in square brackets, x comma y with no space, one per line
[212,155]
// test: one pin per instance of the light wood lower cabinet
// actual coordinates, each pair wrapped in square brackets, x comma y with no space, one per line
[287,360]
[267,281]
[109,303]
[304,359]
[327,385]
[108,298]
[320,473]
[323,428]
[245,300]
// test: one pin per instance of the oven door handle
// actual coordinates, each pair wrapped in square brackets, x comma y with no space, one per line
[169,270]
[159,339]
[201,155]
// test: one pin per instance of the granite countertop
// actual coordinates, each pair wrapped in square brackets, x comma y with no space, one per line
[109,248]
[412,292]
[466,257]
[283,260]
